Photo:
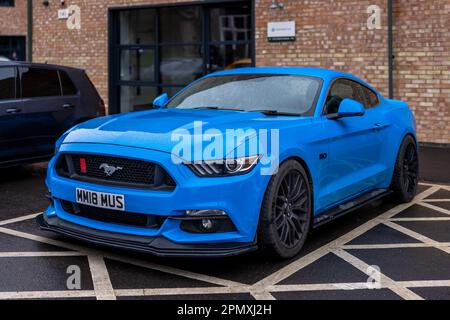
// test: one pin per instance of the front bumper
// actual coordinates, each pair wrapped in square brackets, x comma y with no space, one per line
[239,196]
[158,246]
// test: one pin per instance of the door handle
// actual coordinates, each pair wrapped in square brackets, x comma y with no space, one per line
[13,110]
[377,125]
[68,106]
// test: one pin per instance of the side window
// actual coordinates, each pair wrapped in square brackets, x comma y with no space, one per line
[340,90]
[348,89]
[372,98]
[7,83]
[68,88]
[37,82]
[359,94]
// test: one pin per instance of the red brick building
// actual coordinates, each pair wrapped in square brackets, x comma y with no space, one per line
[135,49]
[13,29]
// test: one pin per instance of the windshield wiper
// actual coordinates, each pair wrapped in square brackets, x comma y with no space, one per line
[277,113]
[217,108]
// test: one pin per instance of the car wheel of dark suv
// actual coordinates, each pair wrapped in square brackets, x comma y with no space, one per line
[285,216]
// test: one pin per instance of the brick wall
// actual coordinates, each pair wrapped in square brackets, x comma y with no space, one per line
[331,34]
[85,48]
[422,64]
[13,20]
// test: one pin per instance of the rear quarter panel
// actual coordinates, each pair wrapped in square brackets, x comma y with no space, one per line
[399,122]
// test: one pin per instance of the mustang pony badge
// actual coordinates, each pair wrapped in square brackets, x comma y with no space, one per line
[109,170]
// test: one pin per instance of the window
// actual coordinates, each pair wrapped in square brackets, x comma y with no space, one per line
[12,48]
[137,65]
[167,47]
[372,98]
[181,24]
[137,27]
[68,88]
[348,89]
[38,82]
[281,93]
[136,98]
[6,3]
[7,83]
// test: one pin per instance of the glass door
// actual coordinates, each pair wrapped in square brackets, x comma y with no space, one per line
[230,37]
[164,48]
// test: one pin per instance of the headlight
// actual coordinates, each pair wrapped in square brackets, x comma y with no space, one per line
[227,167]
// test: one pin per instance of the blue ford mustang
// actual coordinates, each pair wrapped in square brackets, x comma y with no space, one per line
[239,160]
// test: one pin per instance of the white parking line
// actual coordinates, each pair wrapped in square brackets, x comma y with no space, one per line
[420,219]
[47,294]
[100,277]
[176,271]
[394,246]
[40,254]
[417,236]
[19,219]
[178,291]
[260,290]
[436,208]
[400,290]
[302,262]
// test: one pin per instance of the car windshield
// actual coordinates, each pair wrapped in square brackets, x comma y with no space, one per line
[287,94]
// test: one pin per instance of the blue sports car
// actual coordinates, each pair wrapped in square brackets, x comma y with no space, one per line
[238,160]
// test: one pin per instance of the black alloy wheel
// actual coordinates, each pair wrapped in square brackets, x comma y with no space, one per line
[406,172]
[286,211]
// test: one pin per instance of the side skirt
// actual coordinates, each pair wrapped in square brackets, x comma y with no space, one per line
[350,206]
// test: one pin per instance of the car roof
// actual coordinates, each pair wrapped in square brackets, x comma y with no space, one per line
[39,65]
[299,71]
[327,75]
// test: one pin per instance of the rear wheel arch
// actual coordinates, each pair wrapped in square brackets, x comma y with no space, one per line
[412,169]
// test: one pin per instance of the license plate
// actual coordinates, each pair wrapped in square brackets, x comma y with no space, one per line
[101,199]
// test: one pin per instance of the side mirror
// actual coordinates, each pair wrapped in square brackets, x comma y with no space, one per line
[161,101]
[348,108]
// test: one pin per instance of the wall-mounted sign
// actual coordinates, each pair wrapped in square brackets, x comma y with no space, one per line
[281,31]
[63,14]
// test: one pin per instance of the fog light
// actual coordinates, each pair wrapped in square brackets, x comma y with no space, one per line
[207,224]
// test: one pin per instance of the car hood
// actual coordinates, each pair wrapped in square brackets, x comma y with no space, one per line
[159,129]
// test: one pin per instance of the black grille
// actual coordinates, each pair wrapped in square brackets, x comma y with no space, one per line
[113,170]
[113,216]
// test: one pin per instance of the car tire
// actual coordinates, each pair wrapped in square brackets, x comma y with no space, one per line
[406,172]
[286,212]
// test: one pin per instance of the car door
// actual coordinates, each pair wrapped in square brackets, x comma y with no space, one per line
[355,145]
[46,108]
[12,120]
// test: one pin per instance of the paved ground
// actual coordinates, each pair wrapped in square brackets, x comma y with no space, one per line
[409,244]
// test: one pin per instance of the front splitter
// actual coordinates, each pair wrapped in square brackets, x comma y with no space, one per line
[158,246]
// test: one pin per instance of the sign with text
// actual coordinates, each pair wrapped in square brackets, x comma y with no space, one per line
[63,14]
[281,31]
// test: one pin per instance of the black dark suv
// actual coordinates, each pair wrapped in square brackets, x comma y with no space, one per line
[39,102]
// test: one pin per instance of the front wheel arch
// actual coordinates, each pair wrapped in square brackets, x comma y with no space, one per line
[310,180]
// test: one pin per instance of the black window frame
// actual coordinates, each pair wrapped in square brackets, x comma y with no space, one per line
[42,68]
[16,84]
[324,107]
[114,82]
[15,44]
[77,90]
[7,3]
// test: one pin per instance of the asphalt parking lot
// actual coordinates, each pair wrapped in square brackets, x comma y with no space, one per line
[409,244]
